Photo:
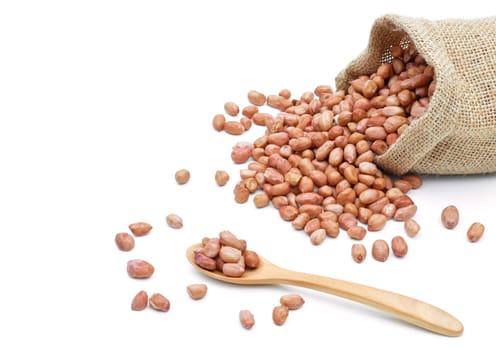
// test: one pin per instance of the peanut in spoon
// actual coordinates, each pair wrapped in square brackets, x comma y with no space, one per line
[402,307]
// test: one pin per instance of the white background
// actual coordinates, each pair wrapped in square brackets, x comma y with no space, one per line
[102,101]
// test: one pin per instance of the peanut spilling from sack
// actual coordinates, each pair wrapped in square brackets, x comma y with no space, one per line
[315,162]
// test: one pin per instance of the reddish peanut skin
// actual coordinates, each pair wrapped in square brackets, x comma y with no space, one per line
[197,291]
[358,252]
[411,227]
[280,314]
[357,232]
[450,217]
[246,319]
[221,177]
[475,232]
[140,301]
[205,262]
[257,98]
[124,241]
[160,303]
[380,250]
[174,221]
[218,122]
[233,270]
[233,128]
[138,268]
[182,176]
[399,246]
[140,228]
[292,301]
[231,108]
[251,259]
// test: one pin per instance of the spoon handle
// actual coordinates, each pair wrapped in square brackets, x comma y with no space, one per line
[405,308]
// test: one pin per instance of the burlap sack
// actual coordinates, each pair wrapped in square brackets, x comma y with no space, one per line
[457,134]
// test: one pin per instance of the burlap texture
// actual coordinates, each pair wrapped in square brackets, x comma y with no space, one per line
[457,134]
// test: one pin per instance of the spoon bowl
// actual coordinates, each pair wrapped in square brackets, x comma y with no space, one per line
[405,308]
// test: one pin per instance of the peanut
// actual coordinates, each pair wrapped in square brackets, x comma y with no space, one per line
[174,221]
[140,301]
[380,250]
[475,232]
[229,254]
[405,213]
[231,108]
[229,239]
[292,301]
[411,227]
[399,246]
[251,259]
[376,222]
[280,314]
[160,303]
[261,200]
[140,228]
[182,176]
[205,262]
[221,177]
[197,291]
[450,217]
[218,122]
[233,269]
[357,232]
[233,127]
[124,241]
[241,152]
[138,268]
[358,252]
[318,236]
[246,319]
[256,98]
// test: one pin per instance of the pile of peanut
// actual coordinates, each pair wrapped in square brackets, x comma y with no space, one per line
[227,254]
[315,161]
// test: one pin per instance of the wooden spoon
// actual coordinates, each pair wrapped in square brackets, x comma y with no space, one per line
[405,308]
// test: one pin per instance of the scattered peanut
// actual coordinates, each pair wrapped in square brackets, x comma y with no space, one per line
[358,252]
[280,314]
[140,301]
[475,232]
[450,216]
[174,221]
[218,122]
[138,268]
[246,319]
[160,303]
[221,177]
[256,98]
[234,127]
[399,246]
[411,227]
[380,250]
[140,228]
[182,176]
[197,291]
[124,241]
[231,108]
[292,301]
